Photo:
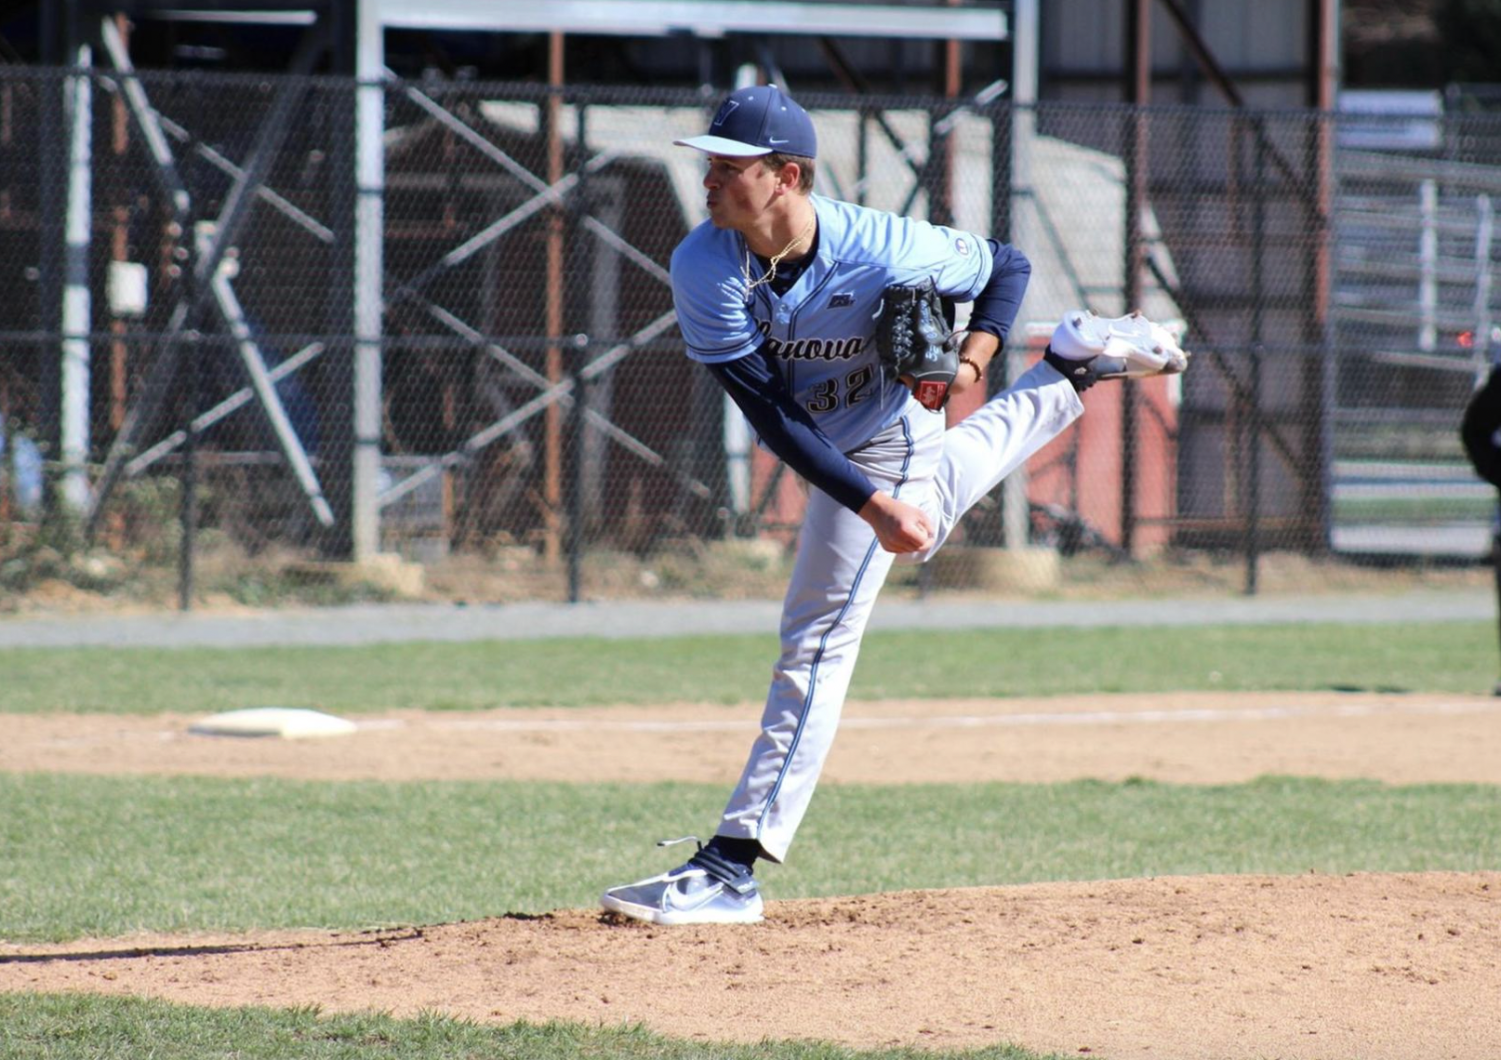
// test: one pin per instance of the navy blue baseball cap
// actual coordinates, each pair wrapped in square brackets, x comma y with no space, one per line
[759,120]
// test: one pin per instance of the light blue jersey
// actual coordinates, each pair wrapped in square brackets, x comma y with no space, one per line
[821,332]
[889,479]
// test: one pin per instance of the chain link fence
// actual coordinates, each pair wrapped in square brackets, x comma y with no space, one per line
[180,340]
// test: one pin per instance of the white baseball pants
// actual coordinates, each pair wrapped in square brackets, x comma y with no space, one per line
[839,571]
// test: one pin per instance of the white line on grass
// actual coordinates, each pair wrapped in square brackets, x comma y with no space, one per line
[969,721]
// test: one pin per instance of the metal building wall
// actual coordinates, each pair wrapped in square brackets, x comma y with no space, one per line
[1262,46]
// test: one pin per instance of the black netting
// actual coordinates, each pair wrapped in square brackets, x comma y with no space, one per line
[181,276]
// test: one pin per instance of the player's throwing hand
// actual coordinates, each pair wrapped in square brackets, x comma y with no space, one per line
[900,527]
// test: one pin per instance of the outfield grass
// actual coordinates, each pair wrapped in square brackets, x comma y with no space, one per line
[88,1028]
[104,856]
[1428,657]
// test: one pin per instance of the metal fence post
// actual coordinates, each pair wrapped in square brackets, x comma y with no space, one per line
[1495,558]
[1022,225]
[77,313]
[51,266]
[369,270]
[1138,171]
[187,506]
[1258,305]
[573,532]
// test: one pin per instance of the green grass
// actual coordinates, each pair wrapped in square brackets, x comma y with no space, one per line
[43,1027]
[1423,510]
[1431,657]
[105,856]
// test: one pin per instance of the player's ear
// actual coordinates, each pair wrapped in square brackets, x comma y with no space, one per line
[789,176]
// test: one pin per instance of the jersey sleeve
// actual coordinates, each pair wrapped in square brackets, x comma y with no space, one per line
[958,263]
[997,304]
[708,294]
[788,431]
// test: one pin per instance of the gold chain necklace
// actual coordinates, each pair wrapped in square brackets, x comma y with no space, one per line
[771,271]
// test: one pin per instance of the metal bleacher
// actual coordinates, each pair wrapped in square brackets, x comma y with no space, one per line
[1414,320]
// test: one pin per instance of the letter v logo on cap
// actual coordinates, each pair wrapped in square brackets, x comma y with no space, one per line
[725,111]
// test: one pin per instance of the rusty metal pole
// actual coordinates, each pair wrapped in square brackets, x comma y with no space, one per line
[952,80]
[1139,89]
[953,64]
[552,494]
[119,346]
[1319,372]
[119,355]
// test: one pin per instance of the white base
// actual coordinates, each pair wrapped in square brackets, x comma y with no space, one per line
[290,723]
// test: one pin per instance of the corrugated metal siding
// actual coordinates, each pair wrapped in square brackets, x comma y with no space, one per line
[1266,42]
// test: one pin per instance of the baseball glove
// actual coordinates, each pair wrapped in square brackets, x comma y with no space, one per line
[916,344]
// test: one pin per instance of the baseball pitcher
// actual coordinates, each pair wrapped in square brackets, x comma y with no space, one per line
[827,324]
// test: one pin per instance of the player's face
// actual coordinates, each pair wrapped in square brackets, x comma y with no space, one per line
[740,190]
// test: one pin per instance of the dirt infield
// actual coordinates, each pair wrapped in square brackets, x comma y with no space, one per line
[1375,967]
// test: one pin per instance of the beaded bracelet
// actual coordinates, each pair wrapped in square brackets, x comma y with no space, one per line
[979,372]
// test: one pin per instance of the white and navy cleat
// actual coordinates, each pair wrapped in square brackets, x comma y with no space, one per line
[1087,348]
[706,890]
